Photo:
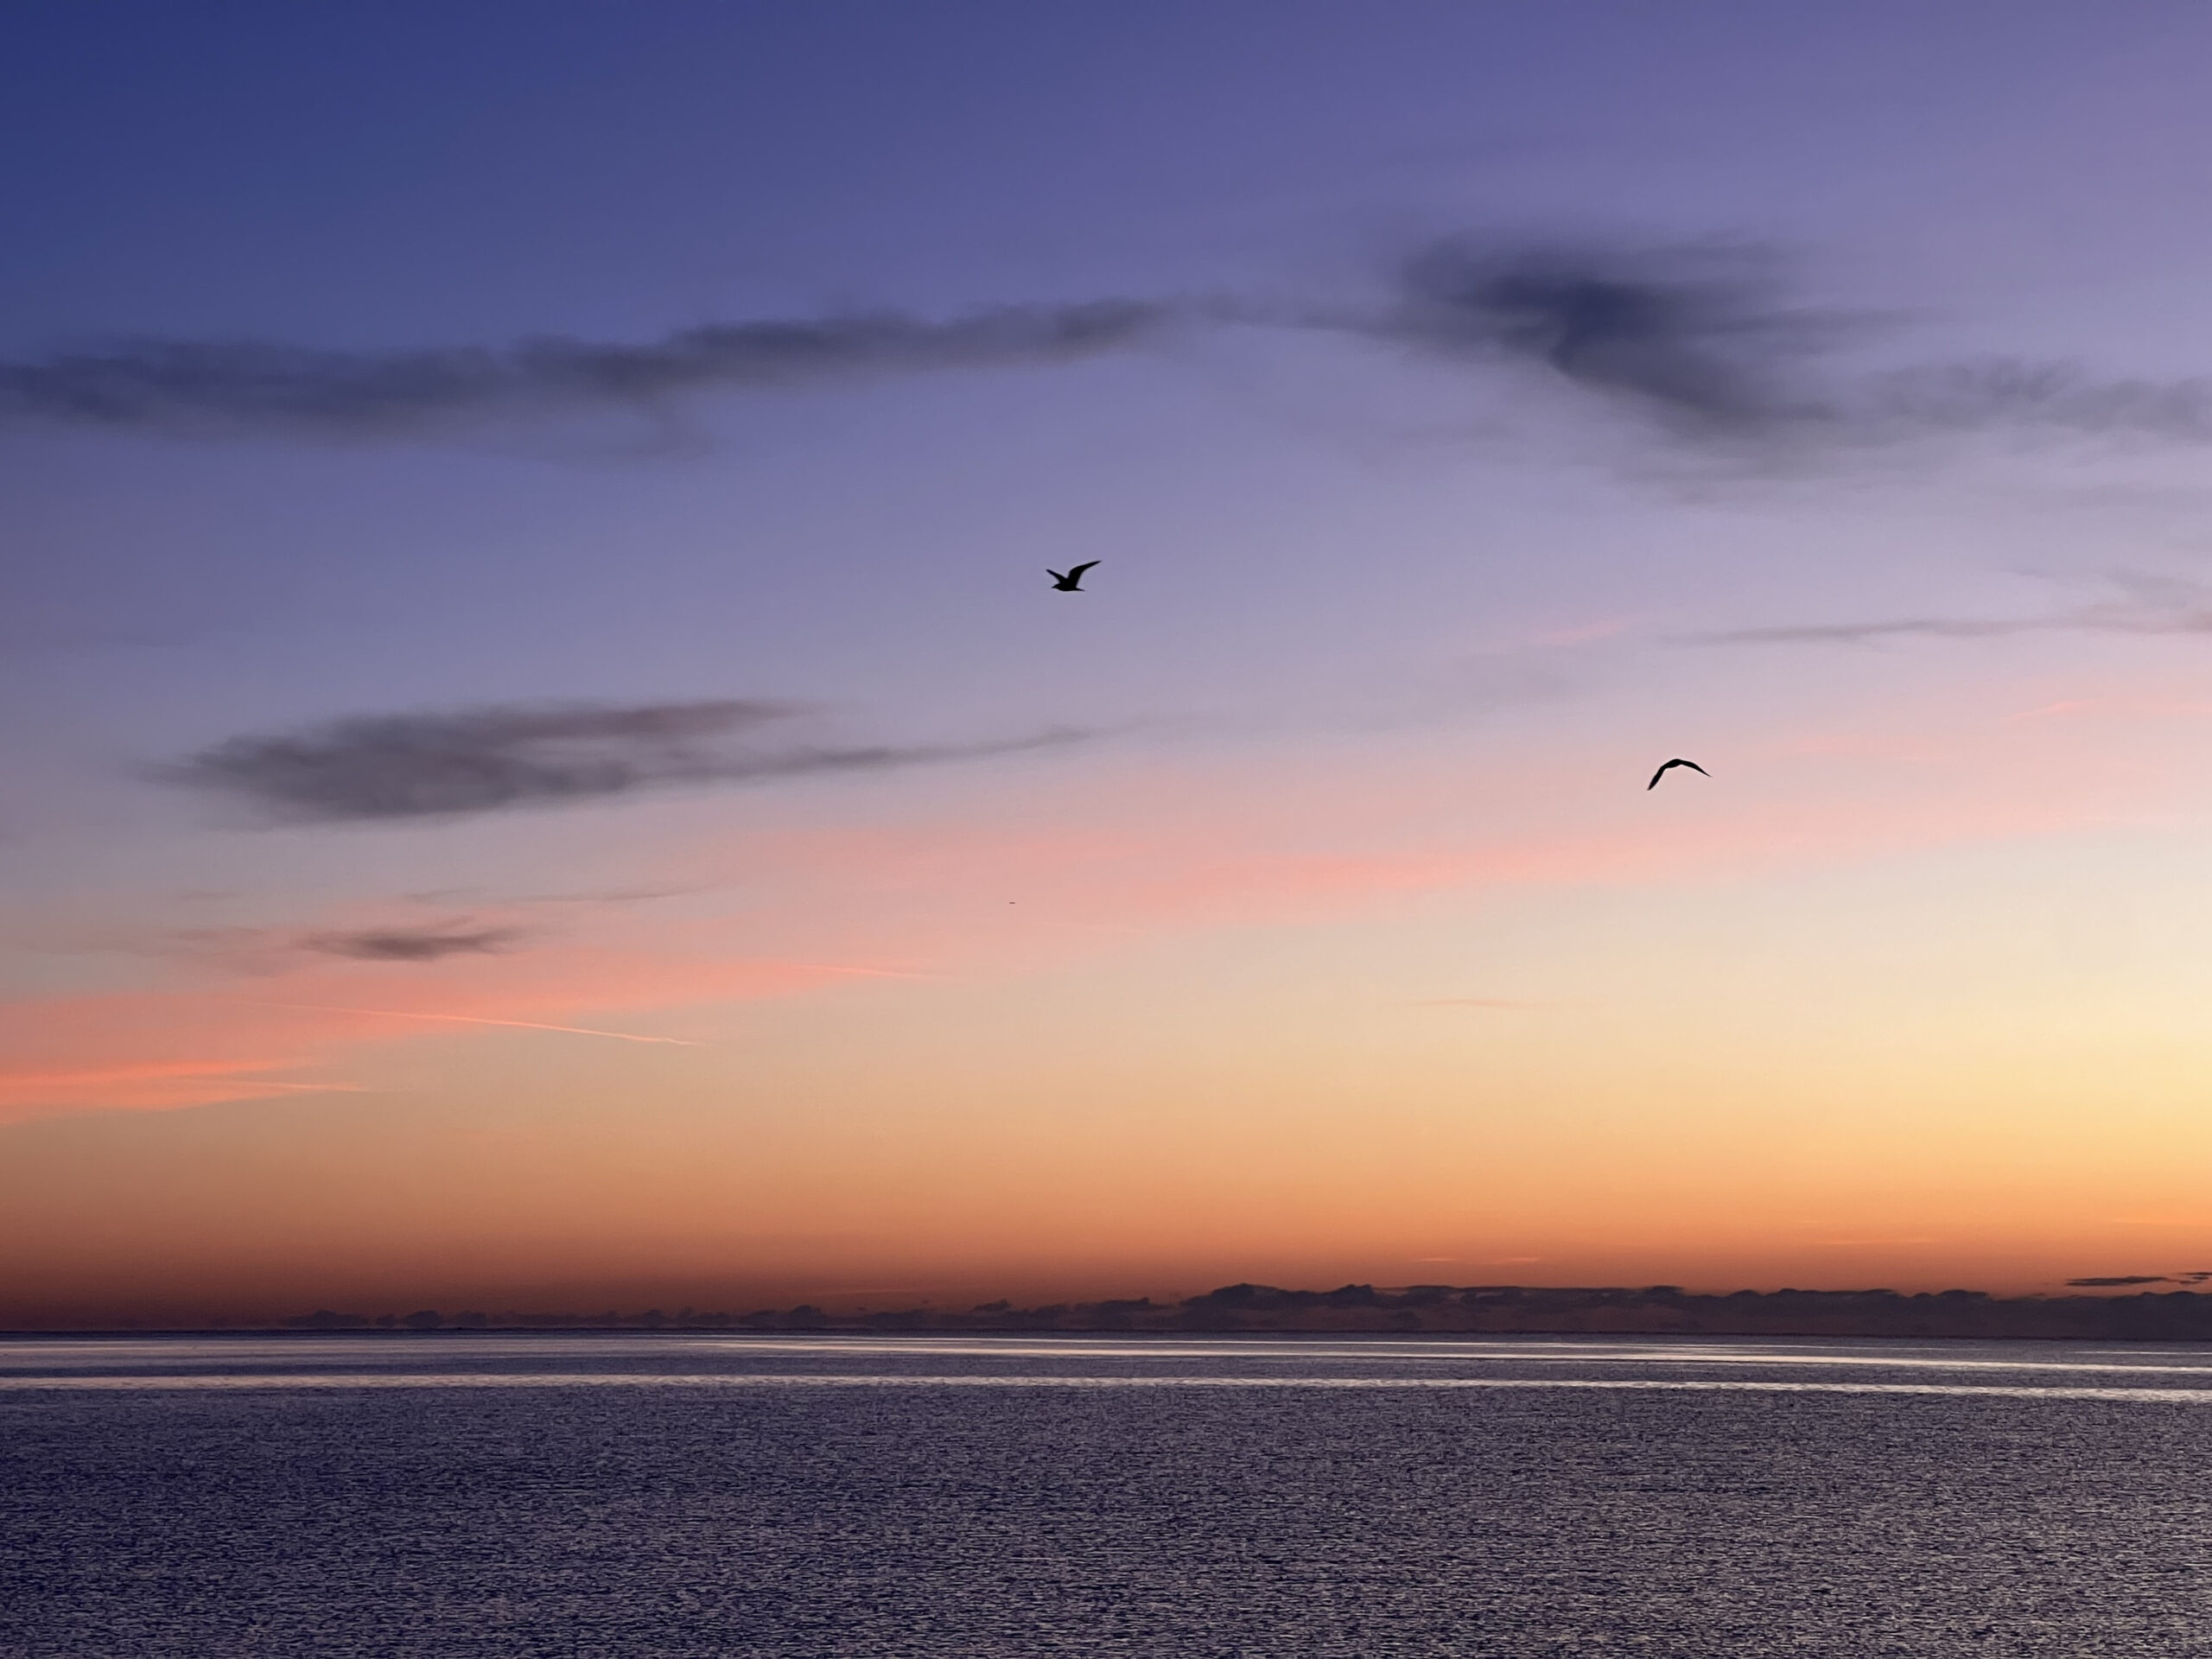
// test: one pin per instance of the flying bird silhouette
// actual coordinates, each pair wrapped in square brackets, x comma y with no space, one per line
[1069,581]
[1670,767]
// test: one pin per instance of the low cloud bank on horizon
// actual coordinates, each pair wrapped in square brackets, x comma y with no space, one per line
[1443,1309]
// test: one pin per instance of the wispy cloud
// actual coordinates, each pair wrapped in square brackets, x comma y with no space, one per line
[1706,340]
[149,1085]
[2153,604]
[2167,707]
[393,766]
[161,1050]
[477,1019]
[2003,391]
[244,387]
[1845,633]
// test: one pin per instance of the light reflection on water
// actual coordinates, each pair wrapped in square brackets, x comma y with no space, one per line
[23,1357]
[466,1495]
[320,1380]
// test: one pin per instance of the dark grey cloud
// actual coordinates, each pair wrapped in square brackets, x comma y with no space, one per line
[412,944]
[413,765]
[237,387]
[1706,340]
[1697,336]
[1709,341]
[2118,1279]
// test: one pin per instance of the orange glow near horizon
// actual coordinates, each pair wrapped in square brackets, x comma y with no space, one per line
[1200,1040]
[1908,991]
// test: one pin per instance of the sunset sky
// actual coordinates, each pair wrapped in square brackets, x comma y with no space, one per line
[544,769]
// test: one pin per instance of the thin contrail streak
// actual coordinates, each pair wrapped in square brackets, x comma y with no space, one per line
[474,1020]
[861,973]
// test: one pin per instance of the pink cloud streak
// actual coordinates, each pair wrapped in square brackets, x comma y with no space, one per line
[1150,849]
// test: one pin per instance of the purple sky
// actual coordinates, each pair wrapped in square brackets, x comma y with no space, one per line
[1472,374]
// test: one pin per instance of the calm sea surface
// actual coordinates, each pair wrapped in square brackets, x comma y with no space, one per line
[463,1495]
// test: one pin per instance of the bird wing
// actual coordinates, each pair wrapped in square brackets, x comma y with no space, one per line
[1670,765]
[1057,576]
[1078,571]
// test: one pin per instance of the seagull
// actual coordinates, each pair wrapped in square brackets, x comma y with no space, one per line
[1071,579]
[1670,765]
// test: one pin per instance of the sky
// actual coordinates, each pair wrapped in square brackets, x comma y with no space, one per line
[544,770]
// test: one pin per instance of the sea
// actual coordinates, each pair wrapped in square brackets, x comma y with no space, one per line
[624,1497]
